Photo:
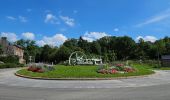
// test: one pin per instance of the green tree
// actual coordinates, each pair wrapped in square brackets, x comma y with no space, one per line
[30,48]
[84,44]
[112,56]
[124,47]
[160,47]
[45,53]
[143,49]
[96,48]
[105,44]
[62,54]
[71,43]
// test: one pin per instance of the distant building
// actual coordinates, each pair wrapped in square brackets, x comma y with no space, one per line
[165,60]
[12,49]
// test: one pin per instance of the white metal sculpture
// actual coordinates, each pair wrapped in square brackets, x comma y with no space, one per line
[79,58]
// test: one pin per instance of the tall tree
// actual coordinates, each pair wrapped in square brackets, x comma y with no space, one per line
[125,47]
[84,44]
[96,48]
[62,54]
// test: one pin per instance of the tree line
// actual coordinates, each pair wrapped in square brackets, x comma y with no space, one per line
[109,48]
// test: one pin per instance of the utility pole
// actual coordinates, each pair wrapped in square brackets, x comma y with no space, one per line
[158,57]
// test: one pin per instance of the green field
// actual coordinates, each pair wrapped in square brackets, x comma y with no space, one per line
[62,71]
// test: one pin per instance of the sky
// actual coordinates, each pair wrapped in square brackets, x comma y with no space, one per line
[54,21]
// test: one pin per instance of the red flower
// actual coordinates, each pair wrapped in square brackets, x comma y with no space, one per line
[113,71]
[30,68]
[34,69]
[110,71]
[40,71]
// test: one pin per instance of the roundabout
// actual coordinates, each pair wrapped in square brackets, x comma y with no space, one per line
[84,72]
[8,78]
[152,87]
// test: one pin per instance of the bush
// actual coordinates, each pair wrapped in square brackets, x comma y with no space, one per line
[117,68]
[10,65]
[9,59]
[151,63]
[40,68]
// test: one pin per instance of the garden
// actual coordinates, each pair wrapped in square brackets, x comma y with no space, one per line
[84,71]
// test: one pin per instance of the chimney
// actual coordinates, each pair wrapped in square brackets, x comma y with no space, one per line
[4,42]
[4,38]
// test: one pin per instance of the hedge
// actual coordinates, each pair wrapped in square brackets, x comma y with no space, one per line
[9,59]
[10,65]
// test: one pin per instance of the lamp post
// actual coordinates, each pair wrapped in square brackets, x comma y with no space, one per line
[158,57]
[30,58]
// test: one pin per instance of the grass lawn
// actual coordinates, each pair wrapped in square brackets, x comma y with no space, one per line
[62,71]
[156,68]
[164,68]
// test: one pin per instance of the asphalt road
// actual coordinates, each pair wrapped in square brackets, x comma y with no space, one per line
[15,88]
[161,92]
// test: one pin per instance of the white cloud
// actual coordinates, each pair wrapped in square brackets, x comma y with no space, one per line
[10,17]
[28,35]
[12,37]
[22,19]
[19,18]
[146,38]
[50,18]
[69,21]
[160,17]
[88,39]
[40,42]
[55,40]
[91,36]
[116,29]
[138,38]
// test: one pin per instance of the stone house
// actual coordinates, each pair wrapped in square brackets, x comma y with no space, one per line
[12,49]
[165,60]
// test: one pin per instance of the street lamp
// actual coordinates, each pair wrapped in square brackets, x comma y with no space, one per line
[30,58]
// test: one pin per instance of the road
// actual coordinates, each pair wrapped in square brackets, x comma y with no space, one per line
[15,88]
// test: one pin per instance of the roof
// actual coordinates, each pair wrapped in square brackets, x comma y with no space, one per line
[166,57]
[18,46]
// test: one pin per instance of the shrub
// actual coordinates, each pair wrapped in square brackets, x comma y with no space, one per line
[9,59]
[10,65]
[35,69]
[117,68]
[40,68]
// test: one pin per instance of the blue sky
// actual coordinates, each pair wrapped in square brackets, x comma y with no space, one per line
[54,21]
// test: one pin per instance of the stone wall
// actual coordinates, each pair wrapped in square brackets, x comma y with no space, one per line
[19,52]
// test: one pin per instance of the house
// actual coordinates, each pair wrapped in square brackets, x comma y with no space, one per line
[12,49]
[165,60]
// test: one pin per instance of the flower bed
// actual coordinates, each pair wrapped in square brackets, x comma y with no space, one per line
[61,71]
[117,68]
[40,68]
